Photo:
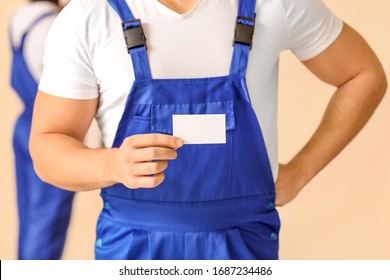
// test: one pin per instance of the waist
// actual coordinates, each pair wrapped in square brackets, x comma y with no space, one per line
[190,216]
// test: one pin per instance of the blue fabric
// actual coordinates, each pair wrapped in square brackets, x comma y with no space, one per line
[44,211]
[139,55]
[217,200]
[241,52]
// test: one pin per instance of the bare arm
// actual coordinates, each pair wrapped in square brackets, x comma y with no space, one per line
[60,158]
[351,66]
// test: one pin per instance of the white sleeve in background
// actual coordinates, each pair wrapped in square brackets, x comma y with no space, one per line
[35,45]
[67,69]
[311,27]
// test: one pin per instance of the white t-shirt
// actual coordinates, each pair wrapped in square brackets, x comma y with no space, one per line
[21,21]
[86,56]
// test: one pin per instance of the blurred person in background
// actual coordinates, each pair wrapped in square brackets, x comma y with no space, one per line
[44,211]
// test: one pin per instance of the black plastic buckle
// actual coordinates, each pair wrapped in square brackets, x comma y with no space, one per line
[243,33]
[134,36]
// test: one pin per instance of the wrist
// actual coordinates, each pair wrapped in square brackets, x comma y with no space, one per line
[300,173]
[110,169]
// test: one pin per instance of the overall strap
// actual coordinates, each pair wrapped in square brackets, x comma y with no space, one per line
[135,39]
[245,25]
[35,22]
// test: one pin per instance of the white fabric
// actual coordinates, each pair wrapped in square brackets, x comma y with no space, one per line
[86,56]
[34,47]
[21,21]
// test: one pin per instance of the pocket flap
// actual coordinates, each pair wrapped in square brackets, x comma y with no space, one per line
[162,113]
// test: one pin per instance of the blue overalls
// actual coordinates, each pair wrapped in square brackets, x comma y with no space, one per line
[44,210]
[217,200]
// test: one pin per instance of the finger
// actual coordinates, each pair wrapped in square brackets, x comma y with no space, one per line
[148,182]
[155,140]
[155,153]
[149,168]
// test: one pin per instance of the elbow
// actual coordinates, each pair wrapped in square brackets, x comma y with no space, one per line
[35,160]
[378,83]
[381,87]
[40,173]
[383,84]
[34,149]
[381,80]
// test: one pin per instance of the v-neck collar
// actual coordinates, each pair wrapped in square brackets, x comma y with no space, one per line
[176,14]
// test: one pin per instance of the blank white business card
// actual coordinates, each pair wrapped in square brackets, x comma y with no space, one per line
[200,129]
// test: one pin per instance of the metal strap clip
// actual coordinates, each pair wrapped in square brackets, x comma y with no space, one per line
[134,34]
[244,30]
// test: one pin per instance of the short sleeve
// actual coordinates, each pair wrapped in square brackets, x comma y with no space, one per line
[312,27]
[67,70]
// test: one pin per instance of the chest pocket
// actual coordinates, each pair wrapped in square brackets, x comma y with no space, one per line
[161,114]
[200,172]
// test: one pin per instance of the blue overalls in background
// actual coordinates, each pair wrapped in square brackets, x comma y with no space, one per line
[44,210]
[217,200]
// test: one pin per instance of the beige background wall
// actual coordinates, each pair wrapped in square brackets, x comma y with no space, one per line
[344,213]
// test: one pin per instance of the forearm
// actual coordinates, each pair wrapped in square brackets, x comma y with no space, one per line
[348,111]
[138,163]
[65,162]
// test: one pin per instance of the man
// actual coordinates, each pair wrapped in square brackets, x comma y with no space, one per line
[215,200]
[44,211]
